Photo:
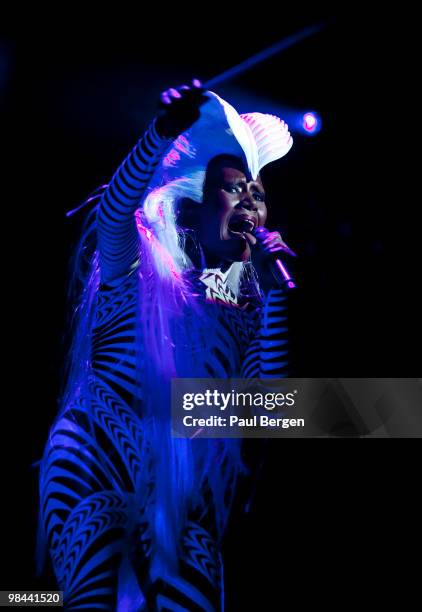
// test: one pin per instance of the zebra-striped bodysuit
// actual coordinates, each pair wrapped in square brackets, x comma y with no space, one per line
[97,533]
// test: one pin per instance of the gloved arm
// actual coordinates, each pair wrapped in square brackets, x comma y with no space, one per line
[117,234]
[267,355]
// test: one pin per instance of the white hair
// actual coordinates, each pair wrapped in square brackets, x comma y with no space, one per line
[159,210]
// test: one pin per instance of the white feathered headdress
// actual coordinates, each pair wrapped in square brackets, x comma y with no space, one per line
[256,137]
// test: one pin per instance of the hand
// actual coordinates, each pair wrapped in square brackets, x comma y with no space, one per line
[179,109]
[268,244]
[271,242]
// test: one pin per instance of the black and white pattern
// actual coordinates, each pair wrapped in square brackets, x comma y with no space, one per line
[92,465]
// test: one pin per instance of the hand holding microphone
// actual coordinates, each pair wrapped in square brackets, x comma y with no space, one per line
[273,249]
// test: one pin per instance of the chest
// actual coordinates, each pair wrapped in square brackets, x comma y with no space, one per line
[209,340]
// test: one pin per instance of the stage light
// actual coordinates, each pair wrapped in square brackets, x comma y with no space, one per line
[310,123]
[265,54]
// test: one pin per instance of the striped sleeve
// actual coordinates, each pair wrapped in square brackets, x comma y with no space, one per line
[117,234]
[267,355]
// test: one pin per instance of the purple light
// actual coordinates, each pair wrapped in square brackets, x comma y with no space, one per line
[310,122]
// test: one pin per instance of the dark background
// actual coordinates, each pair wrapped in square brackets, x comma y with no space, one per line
[75,96]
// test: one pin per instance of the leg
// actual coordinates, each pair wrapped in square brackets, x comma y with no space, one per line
[87,494]
[198,585]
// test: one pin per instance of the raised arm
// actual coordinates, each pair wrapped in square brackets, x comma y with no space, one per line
[117,234]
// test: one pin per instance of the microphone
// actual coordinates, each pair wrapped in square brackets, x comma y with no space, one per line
[277,266]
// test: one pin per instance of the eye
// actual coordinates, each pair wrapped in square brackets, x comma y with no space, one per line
[260,197]
[232,188]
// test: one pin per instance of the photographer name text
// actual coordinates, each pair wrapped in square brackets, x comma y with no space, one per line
[235,421]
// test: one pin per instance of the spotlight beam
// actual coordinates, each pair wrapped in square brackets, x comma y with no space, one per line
[261,56]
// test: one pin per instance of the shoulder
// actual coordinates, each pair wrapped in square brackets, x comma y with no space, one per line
[122,282]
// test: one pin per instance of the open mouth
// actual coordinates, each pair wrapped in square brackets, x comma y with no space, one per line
[241,224]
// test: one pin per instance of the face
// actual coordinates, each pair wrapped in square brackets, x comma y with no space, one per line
[233,206]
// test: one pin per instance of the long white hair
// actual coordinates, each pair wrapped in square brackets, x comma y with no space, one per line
[170,326]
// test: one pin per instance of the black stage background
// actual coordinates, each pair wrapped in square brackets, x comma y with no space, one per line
[75,96]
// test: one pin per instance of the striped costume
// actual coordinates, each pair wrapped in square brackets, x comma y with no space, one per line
[97,533]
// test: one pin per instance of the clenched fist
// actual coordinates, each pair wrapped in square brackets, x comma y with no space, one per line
[179,109]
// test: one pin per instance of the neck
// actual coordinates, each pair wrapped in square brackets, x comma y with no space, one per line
[203,259]
[209,260]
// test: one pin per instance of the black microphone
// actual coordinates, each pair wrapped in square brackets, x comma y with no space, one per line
[278,268]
